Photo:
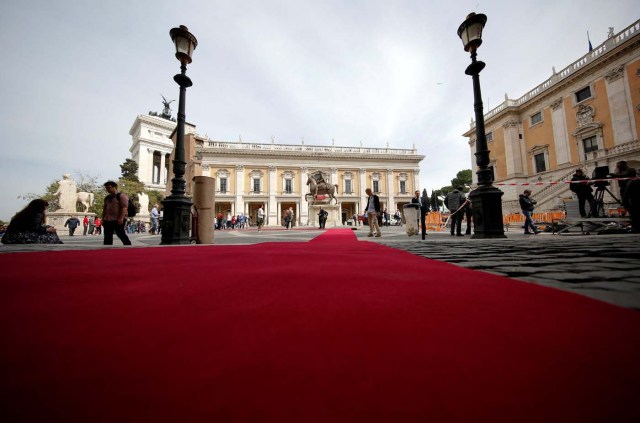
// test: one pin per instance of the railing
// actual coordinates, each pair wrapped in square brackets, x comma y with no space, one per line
[223,145]
[609,45]
[622,148]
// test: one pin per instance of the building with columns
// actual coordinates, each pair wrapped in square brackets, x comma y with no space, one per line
[275,176]
[151,148]
[584,116]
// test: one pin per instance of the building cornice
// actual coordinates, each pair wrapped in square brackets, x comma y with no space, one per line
[219,148]
[153,121]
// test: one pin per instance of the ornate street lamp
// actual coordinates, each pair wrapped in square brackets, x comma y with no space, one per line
[177,206]
[486,199]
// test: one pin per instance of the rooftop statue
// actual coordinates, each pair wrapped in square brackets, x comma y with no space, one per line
[166,111]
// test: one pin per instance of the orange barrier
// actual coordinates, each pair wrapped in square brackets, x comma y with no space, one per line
[511,218]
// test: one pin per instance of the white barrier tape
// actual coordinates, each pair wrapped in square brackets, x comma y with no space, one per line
[587,181]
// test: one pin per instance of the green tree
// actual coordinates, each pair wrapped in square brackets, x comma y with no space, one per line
[129,170]
[462,179]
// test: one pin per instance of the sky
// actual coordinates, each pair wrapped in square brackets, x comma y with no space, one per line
[75,74]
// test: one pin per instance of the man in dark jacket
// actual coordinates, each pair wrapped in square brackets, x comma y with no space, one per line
[72,222]
[373,211]
[527,204]
[583,191]
[454,202]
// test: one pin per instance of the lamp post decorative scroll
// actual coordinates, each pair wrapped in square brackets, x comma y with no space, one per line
[486,199]
[177,206]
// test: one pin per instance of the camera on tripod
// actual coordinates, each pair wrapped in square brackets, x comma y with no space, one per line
[601,172]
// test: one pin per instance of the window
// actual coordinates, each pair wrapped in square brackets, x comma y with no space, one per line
[590,144]
[403,187]
[256,185]
[376,186]
[223,185]
[288,186]
[489,136]
[583,94]
[537,118]
[540,162]
[347,186]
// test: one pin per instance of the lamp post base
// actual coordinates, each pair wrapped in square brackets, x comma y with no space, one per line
[176,220]
[487,212]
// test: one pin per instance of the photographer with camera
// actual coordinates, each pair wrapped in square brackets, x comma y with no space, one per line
[583,191]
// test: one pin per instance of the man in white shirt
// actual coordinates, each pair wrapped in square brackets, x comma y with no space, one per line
[260,220]
[373,210]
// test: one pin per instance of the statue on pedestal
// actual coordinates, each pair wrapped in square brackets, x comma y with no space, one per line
[67,194]
[143,201]
[318,186]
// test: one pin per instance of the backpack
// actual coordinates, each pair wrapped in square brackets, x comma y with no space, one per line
[132,209]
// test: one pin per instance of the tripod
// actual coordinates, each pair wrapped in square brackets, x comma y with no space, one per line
[598,202]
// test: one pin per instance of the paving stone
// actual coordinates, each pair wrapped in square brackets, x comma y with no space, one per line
[563,276]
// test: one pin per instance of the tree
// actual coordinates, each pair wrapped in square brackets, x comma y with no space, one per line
[129,170]
[462,179]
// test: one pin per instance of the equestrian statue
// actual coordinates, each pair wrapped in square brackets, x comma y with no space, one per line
[320,187]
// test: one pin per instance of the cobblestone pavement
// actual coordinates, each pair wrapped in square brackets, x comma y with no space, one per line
[605,267]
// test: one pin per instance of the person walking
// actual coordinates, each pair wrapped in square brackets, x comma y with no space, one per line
[260,220]
[155,216]
[455,202]
[72,222]
[114,214]
[98,226]
[322,218]
[85,225]
[584,193]
[527,205]
[373,210]
[92,225]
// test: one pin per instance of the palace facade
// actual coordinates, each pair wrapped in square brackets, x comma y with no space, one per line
[275,176]
[585,116]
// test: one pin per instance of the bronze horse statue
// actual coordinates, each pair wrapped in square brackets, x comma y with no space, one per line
[322,188]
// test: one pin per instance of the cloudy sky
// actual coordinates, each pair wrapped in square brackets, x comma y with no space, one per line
[76,73]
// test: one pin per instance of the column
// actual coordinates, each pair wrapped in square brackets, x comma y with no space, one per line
[239,188]
[391,187]
[303,210]
[163,170]
[621,120]
[560,133]
[363,186]
[272,217]
[512,148]
[474,166]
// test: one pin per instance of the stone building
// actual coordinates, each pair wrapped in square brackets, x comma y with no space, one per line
[249,175]
[584,116]
[274,175]
[151,148]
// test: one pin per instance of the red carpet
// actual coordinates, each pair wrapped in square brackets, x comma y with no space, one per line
[262,333]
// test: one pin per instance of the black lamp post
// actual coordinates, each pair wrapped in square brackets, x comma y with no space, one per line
[486,199]
[177,206]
